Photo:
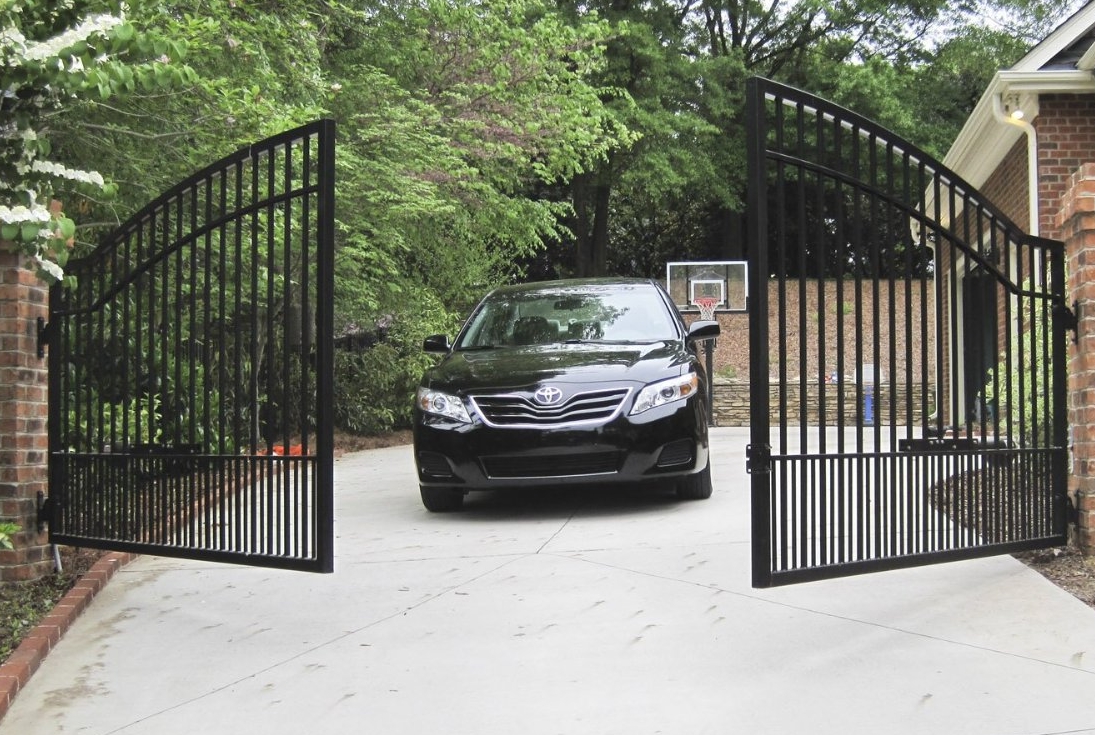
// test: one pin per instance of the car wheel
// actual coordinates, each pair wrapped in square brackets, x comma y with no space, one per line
[697,486]
[441,499]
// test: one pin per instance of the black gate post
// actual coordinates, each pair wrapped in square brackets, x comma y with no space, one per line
[759,450]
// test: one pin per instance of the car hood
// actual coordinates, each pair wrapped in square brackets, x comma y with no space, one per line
[515,367]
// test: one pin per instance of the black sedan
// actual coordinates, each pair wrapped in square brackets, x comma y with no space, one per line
[562,383]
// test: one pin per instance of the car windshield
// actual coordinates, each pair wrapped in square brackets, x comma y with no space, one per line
[579,314]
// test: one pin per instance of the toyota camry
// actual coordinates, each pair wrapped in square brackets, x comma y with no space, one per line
[589,381]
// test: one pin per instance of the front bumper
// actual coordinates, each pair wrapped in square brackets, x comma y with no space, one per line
[665,442]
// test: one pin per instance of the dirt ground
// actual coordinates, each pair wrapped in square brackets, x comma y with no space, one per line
[349,443]
[1067,568]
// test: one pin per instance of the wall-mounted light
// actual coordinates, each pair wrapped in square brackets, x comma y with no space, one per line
[1013,108]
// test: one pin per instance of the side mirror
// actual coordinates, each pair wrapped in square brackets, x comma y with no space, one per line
[436,343]
[700,331]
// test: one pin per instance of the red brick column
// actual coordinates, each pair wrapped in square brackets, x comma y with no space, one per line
[1076,223]
[24,442]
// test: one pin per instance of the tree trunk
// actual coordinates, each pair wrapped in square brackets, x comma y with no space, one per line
[599,247]
[583,241]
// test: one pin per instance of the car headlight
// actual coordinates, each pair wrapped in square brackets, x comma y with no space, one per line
[666,391]
[443,404]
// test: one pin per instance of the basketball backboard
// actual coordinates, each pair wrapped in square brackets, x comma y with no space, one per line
[725,280]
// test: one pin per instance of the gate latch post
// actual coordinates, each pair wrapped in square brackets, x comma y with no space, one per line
[758,459]
[1071,318]
[44,333]
[45,509]
[1072,511]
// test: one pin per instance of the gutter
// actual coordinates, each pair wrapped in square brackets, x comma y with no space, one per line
[1012,112]
[983,142]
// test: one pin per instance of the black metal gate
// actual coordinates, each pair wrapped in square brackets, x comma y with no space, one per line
[879,439]
[190,370]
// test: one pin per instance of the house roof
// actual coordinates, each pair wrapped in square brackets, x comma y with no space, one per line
[1062,63]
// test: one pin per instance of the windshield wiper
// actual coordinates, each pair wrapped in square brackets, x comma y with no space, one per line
[476,348]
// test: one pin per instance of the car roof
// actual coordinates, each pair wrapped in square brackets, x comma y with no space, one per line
[601,283]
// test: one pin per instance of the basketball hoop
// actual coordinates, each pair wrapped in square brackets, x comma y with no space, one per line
[706,305]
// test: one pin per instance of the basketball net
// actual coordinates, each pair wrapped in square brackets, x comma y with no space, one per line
[706,305]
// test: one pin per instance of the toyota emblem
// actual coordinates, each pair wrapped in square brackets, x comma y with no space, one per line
[548,395]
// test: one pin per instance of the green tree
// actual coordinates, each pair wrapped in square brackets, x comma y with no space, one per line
[256,69]
[685,64]
[450,116]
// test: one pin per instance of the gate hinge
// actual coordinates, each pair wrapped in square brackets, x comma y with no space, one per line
[45,510]
[758,459]
[1072,512]
[1071,318]
[45,331]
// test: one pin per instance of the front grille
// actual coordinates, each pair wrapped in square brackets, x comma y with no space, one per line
[516,410]
[555,465]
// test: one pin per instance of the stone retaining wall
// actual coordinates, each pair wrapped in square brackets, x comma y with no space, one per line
[731,404]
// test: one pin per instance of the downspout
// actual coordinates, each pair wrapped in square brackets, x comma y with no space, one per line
[1003,117]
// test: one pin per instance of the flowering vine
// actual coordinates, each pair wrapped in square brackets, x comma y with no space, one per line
[52,53]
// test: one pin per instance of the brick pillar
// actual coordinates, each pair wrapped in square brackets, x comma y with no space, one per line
[24,442]
[1076,223]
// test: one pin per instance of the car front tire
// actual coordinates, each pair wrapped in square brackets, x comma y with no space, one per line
[441,499]
[697,486]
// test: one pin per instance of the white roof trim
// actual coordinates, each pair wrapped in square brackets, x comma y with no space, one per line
[984,140]
[1087,61]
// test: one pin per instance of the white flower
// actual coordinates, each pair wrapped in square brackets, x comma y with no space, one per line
[56,169]
[11,39]
[53,46]
[50,267]
[21,214]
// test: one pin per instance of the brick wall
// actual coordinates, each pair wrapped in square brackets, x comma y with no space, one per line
[1066,141]
[24,446]
[1006,188]
[1076,224]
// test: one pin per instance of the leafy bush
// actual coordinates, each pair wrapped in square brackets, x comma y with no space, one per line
[374,389]
[1022,390]
[7,530]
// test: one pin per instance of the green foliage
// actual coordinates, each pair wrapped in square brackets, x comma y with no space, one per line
[375,388]
[453,115]
[1022,389]
[7,531]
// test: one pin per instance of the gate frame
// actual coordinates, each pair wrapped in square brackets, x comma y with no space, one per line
[322,167]
[759,451]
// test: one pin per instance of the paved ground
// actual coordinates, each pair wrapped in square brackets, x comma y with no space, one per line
[569,614]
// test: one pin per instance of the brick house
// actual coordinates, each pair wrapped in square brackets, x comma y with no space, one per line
[1029,147]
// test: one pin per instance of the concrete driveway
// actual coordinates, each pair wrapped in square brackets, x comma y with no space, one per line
[562,613]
